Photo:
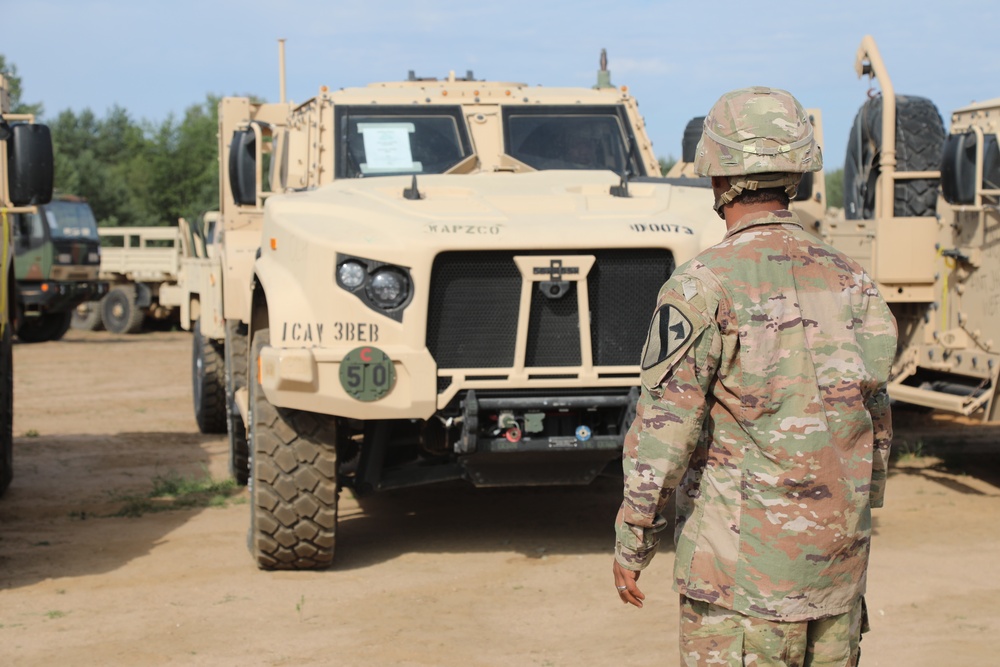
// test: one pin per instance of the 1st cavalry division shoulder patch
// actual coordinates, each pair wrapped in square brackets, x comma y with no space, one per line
[668,333]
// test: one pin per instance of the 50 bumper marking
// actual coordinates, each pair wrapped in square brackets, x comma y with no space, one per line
[367,373]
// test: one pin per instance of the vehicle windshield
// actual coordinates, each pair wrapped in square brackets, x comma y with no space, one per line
[70,220]
[567,138]
[389,141]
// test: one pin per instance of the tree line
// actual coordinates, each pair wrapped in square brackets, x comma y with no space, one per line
[142,173]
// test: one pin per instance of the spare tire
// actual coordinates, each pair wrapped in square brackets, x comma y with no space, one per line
[692,135]
[919,141]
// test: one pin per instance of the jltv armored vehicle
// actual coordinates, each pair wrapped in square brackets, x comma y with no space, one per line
[433,280]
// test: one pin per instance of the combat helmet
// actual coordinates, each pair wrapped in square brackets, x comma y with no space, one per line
[760,138]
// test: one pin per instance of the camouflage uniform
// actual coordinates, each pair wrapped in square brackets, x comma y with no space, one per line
[764,404]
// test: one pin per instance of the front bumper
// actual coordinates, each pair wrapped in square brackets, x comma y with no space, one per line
[309,379]
[54,296]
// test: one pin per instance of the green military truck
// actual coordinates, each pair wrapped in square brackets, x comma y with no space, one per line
[25,183]
[57,257]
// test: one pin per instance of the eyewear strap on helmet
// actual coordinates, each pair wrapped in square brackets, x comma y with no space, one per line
[756,148]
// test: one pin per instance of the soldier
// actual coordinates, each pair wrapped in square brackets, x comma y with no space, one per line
[764,404]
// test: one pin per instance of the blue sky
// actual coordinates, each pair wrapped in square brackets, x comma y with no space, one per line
[155,58]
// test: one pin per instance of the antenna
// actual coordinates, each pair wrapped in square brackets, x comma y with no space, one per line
[603,75]
[281,70]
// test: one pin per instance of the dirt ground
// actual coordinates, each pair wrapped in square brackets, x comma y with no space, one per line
[444,575]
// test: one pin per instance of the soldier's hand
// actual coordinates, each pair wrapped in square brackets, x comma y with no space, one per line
[625,582]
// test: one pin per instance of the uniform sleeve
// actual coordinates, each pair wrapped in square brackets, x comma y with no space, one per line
[878,407]
[880,330]
[679,362]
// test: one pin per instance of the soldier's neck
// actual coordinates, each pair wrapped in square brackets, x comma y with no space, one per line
[735,211]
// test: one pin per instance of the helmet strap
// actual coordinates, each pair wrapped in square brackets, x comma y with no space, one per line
[758,182]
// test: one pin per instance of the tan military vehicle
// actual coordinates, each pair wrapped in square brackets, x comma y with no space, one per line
[433,280]
[25,182]
[935,257]
[144,269]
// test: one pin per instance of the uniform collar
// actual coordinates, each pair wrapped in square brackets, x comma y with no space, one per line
[757,219]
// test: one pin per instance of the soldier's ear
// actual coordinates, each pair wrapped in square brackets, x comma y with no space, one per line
[720,183]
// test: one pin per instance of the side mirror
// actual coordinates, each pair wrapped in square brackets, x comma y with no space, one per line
[30,164]
[243,167]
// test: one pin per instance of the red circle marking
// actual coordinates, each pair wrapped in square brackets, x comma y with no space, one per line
[366,354]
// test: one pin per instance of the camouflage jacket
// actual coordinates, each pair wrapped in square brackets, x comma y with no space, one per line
[764,403]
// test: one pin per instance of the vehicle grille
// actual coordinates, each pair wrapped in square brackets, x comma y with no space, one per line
[474,303]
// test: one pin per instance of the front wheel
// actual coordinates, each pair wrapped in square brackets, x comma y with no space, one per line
[293,481]
[208,383]
[46,327]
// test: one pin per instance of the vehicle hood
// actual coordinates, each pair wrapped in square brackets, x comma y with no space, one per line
[549,209]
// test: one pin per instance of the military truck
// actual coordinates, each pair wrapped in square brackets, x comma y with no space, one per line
[921,216]
[431,280]
[57,257]
[25,182]
[143,267]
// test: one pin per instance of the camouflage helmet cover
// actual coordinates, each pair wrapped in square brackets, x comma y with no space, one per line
[757,130]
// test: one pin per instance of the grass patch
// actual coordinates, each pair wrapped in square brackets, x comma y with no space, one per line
[909,451]
[55,614]
[300,606]
[31,433]
[173,491]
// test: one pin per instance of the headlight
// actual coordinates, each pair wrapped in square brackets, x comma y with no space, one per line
[351,274]
[93,258]
[64,258]
[388,288]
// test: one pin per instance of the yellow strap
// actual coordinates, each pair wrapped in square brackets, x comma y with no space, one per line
[949,263]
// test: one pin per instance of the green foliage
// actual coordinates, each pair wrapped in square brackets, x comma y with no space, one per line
[134,174]
[835,188]
[666,163]
[173,491]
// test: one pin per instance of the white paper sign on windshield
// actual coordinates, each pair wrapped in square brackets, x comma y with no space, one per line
[387,148]
[58,230]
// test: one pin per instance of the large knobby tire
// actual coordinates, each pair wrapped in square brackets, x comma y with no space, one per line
[919,142]
[45,327]
[235,353]
[293,487]
[692,135]
[87,317]
[119,312]
[6,409]
[208,380]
